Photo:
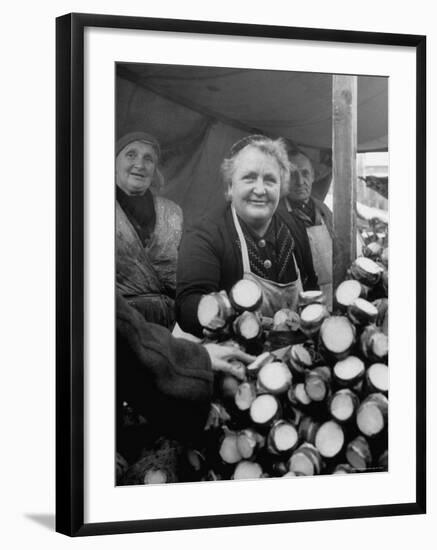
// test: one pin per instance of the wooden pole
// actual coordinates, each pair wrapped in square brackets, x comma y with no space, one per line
[344,149]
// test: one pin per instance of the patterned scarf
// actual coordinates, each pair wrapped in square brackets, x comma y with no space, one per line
[283,268]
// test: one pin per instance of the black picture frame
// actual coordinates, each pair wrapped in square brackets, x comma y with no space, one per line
[70,273]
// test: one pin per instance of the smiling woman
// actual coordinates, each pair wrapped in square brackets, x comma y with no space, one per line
[135,167]
[256,177]
[251,237]
[148,230]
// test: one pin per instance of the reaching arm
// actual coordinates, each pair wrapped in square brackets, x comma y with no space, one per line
[168,379]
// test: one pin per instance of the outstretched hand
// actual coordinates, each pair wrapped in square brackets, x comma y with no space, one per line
[222,358]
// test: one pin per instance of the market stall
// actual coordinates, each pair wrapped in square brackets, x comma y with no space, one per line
[315,399]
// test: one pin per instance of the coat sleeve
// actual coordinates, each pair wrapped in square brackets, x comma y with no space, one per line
[167,379]
[199,273]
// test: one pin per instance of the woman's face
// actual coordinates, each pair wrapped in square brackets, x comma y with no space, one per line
[256,186]
[135,167]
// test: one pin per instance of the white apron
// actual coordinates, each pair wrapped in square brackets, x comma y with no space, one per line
[322,253]
[275,295]
[321,250]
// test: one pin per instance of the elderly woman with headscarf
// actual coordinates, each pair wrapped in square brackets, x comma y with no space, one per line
[248,238]
[148,230]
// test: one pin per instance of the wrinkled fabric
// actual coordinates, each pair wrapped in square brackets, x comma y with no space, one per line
[146,275]
[166,380]
[140,211]
[229,104]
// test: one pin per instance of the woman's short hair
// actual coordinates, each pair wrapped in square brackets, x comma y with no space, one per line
[274,148]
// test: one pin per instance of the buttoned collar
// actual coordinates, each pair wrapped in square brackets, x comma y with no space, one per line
[268,237]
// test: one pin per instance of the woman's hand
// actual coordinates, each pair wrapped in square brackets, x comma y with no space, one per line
[222,358]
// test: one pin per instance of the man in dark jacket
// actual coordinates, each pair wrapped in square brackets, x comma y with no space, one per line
[315,216]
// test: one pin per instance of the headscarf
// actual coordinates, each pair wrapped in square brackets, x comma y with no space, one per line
[158,178]
[137,136]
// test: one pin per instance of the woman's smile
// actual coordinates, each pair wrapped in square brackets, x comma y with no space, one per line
[256,186]
[138,175]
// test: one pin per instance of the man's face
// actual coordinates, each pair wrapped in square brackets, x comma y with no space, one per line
[301,180]
[256,186]
[135,167]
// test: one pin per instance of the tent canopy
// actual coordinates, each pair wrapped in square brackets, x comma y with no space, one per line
[197,113]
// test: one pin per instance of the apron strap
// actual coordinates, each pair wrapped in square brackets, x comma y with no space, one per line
[244,251]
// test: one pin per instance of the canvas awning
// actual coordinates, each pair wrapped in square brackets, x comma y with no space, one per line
[198,112]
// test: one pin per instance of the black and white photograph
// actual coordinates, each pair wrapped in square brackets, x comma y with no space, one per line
[251,274]
[217,265]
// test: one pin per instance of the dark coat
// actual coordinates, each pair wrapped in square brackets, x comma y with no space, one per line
[167,380]
[210,260]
